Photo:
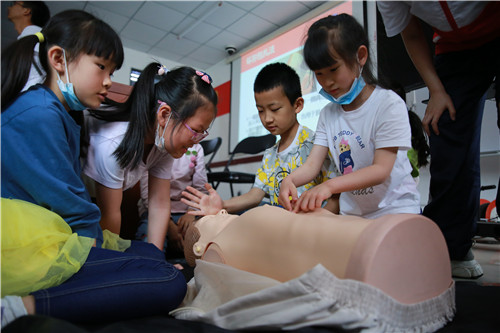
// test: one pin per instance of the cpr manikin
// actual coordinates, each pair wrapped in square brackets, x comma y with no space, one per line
[402,258]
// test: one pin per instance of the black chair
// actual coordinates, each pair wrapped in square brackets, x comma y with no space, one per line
[210,147]
[251,145]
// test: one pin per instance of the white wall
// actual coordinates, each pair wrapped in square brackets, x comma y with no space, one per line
[138,60]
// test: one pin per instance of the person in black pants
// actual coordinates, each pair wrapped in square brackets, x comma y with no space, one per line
[467,40]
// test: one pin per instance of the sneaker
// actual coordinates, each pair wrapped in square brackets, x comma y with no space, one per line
[468,268]
[12,308]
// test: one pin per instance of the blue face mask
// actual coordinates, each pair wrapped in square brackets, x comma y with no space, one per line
[348,97]
[68,91]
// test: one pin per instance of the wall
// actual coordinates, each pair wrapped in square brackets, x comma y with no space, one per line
[138,60]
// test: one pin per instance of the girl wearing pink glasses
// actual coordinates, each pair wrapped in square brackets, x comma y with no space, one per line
[166,113]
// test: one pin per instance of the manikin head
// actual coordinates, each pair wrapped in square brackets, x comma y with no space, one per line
[202,232]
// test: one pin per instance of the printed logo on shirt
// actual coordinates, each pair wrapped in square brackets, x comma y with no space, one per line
[343,143]
[346,162]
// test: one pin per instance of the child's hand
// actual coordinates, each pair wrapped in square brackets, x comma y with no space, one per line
[312,199]
[288,194]
[209,204]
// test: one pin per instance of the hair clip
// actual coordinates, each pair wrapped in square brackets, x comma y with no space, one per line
[162,70]
[161,104]
[204,76]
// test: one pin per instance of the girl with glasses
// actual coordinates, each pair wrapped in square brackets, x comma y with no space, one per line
[166,114]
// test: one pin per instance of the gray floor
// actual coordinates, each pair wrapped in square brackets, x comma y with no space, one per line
[487,252]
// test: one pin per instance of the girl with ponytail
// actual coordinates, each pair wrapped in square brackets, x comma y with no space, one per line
[168,112]
[70,268]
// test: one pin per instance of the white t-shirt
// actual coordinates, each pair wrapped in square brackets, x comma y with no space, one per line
[397,14]
[352,138]
[102,166]
[457,25]
[276,166]
[35,77]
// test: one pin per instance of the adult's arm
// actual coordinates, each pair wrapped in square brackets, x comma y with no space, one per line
[420,54]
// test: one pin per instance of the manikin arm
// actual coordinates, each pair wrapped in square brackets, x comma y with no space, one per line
[420,54]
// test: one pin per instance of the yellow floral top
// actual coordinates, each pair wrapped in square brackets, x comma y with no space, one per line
[277,165]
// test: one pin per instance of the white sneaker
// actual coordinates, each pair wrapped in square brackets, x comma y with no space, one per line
[12,308]
[466,269]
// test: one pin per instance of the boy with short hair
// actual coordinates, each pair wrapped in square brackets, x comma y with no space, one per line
[278,98]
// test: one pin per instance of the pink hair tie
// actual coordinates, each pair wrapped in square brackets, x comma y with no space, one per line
[204,76]
[161,104]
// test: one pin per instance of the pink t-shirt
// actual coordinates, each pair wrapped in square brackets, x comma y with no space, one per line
[185,172]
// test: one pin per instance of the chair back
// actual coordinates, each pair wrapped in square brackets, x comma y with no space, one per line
[252,145]
[210,147]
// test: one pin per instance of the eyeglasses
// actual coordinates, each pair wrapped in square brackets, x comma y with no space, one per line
[197,136]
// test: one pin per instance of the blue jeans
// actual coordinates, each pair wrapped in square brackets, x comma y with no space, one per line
[455,172]
[114,285]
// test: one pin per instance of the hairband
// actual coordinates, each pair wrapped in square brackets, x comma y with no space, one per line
[204,76]
[162,70]
[41,39]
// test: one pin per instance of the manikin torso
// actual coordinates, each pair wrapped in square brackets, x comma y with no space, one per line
[404,255]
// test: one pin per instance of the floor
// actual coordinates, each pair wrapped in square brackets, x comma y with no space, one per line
[487,252]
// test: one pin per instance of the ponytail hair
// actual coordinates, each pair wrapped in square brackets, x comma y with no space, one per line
[419,139]
[16,65]
[183,89]
[76,31]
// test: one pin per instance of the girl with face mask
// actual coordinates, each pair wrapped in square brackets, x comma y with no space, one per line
[166,114]
[365,128]
[70,269]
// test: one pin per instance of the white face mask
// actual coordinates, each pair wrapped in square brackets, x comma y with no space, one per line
[160,140]
[68,91]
